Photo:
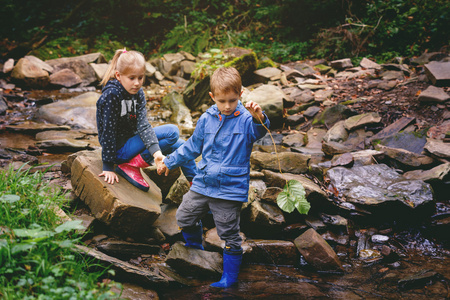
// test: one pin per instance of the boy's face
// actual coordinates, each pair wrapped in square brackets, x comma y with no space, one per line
[226,102]
[132,81]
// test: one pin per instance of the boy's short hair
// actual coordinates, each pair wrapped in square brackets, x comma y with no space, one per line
[225,80]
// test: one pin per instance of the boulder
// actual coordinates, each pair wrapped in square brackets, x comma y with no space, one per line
[78,112]
[262,219]
[379,189]
[405,157]
[362,120]
[333,114]
[434,94]
[127,250]
[193,262]
[334,148]
[342,64]
[337,133]
[409,141]
[293,140]
[167,222]
[66,78]
[272,252]
[368,64]
[317,252]
[270,98]
[186,68]
[438,148]
[123,207]
[181,114]
[8,66]
[438,73]
[100,70]
[289,162]
[30,72]
[213,240]
[177,191]
[79,67]
[314,137]
[97,58]
[266,74]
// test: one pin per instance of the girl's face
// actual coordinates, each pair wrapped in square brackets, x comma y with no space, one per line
[132,80]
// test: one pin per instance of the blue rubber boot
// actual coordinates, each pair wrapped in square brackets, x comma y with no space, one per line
[231,264]
[194,237]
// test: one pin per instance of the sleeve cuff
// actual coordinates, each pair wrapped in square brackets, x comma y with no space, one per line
[154,148]
[259,123]
[108,166]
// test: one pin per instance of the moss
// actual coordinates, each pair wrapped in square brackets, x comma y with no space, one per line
[246,65]
[266,62]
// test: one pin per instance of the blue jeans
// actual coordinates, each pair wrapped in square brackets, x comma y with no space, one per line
[169,141]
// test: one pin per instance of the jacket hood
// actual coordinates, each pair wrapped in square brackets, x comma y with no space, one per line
[214,111]
[114,83]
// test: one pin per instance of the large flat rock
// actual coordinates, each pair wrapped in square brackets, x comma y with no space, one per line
[122,206]
[438,73]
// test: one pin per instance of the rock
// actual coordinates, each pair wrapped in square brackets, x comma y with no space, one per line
[315,223]
[393,128]
[337,133]
[186,68]
[293,140]
[56,134]
[312,87]
[167,222]
[439,132]
[97,58]
[133,291]
[314,138]
[178,189]
[409,141]
[333,148]
[213,240]
[30,72]
[367,157]
[194,262]
[379,238]
[165,183]
[368,64]
[187,55]
[33,127]
[270,194]
[290,162]
[265,216]
[438,73]
[375,185]
[304,70]
[273,252]
[405,157]
[314,193]
[311,111]
[434,94]
[8,66]
[387,85]
[3,105]
[270,98]
[266,74]
[78,112]
[330,236]
[100,70]
[181,114]
[392,75]
[294,120]
[258,185]
[418,280]
[64,145]
[121,206]
[333,114]
[79,67]
[438,148]
[322,95]
[65,77]
[173,57]
[345,160]
[362,120]
[317,252]
[126,250]
[342,64]
[437,173]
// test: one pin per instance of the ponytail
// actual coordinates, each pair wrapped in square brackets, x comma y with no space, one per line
[109,74]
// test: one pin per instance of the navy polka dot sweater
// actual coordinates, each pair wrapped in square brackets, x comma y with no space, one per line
[121,116]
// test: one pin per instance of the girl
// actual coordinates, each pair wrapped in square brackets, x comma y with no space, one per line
[126,136]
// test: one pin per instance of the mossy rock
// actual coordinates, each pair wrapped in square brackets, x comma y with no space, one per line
[333,114]
[266,62]
[196,92]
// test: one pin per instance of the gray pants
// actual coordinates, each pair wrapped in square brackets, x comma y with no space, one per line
[226,214]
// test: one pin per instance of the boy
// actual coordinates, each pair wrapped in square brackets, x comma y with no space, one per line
[224,136]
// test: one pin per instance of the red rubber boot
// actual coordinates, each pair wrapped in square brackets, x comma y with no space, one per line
[131,171]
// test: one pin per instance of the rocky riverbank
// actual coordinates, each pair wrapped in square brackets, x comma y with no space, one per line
[369,143]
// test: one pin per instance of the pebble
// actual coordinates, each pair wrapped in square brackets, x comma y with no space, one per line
[378,238]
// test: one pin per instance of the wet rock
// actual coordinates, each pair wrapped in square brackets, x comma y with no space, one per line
[314,193]
[263,215]
[100,70]
[194,262]
[78,112]
[30,71]
[266,74]
[123,207]
[342,64]
[368,64]
[317,252]
[419,279]
[315,223]
[33,127]
[334,220]
[272,252]
[311,111]
[270,194]
[333,114]
[213,240]
[362,120]
[434,94]
[177,191]
[405,157]
[437,173]
[270,98]
[438,148]
[376,185]
[167,222]
[334,238]
[289,162]
[438,73]
[293,140]
[8,66]
[181,114]
[126,250]
[65,77]
[135,292]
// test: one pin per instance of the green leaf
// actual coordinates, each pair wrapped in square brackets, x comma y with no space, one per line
[296,189]
[293,197]
[285,202]
[22,247]
[32,233]
[303,206]
[69,225]
[9,198]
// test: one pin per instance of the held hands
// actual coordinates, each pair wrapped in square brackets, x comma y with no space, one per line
[255,110]
[110,176]
[160,165]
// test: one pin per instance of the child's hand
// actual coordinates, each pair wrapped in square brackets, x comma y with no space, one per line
[255,110]
[158,158]
[163,169]
[110,176]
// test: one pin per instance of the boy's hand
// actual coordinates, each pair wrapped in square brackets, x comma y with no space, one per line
[159,157]
[110,176]
[163,169]
[255,110]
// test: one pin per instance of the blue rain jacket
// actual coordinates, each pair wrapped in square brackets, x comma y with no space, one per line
[225,143]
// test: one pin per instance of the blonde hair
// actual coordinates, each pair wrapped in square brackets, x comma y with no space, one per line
[124,61]
[225,80]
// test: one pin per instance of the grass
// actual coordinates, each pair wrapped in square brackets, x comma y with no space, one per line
[37,260]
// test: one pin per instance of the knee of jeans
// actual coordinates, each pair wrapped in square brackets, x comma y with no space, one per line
[174,133]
